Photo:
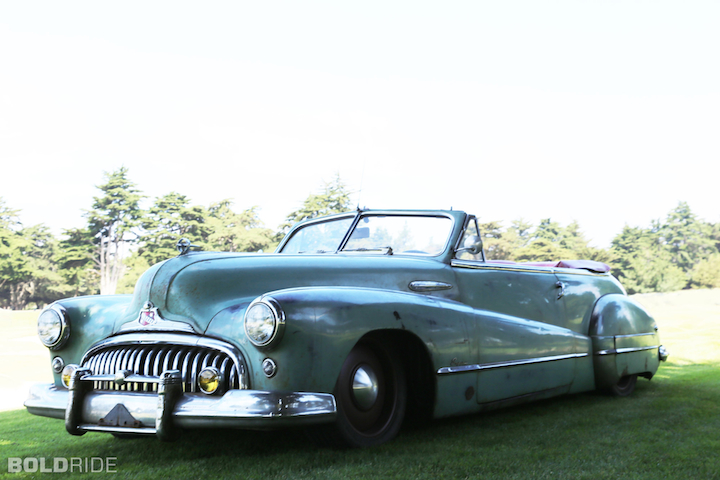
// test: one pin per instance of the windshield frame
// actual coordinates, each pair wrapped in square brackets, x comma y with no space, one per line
[359,214]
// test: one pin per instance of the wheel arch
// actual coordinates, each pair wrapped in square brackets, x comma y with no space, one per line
[417,364]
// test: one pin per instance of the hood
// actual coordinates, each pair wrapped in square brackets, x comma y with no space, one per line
[191,289]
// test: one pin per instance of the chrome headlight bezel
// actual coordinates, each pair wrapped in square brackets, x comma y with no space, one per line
[264,322]
[55,320]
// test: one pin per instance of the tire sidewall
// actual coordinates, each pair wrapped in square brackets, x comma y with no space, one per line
[625,386]
[395,391]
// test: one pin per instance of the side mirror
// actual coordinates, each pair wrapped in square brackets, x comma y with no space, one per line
[472,244]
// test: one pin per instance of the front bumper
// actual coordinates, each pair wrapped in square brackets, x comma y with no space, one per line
[164,412]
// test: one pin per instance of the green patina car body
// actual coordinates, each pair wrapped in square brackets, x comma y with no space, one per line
[358,322]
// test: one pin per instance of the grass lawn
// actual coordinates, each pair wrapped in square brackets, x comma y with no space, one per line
[669,428]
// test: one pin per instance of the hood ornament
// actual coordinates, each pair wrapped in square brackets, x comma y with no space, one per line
[183,245]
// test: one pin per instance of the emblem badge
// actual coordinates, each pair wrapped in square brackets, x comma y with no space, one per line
[148,315]
[150,319]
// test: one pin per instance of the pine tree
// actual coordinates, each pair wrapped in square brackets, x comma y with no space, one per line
[334,198]
[113,221]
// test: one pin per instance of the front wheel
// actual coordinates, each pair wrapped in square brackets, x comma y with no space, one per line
[371,396]
[625,386]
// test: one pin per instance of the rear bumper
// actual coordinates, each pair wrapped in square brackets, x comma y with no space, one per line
[162,413]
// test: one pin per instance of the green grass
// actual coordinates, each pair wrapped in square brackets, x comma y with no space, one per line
[669,428]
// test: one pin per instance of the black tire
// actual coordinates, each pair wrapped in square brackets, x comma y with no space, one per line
[624,387]
[370,416]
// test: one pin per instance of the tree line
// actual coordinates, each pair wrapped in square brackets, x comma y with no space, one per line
[679,252]
[120,240]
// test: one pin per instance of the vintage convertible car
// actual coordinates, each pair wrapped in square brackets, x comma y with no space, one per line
[357,322]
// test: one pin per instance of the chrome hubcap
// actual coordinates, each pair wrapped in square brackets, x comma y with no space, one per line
[365,387]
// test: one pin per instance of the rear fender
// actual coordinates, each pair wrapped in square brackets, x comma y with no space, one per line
[624,338]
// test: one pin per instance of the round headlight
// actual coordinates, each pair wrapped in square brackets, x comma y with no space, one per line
[264,321]
[53,327]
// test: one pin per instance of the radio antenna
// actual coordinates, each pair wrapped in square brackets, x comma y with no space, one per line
[362,178]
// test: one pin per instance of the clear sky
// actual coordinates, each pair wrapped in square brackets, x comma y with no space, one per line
[607,113]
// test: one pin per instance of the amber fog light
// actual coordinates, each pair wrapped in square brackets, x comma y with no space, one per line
[67,374]
[209,380]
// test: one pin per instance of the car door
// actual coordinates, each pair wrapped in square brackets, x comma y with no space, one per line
[520,345]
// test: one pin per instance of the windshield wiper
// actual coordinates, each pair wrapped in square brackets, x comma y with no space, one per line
[373,249]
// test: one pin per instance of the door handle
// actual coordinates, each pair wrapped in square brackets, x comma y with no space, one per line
[561,286]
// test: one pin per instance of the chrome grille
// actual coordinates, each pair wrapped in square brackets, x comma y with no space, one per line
[152,360]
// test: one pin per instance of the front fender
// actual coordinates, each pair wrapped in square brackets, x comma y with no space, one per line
[91,319]
[324,323]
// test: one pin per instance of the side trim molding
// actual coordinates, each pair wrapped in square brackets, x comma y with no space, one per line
[511,363]
[624,350]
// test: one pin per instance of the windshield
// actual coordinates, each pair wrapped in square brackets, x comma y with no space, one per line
[375,234]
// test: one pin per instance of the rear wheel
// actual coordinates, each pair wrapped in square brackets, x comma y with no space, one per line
[625,386]
[371,396]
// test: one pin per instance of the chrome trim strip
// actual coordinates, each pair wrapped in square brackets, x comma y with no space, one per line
[428,286]
[129,378]
[635,335]
[519,267]
[624,350]
[136,431]
[511,363]
[474,264]
[175,339]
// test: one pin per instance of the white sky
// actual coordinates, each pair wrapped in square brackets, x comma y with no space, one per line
[602,112]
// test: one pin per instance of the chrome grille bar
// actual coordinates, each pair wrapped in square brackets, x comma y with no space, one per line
[150,360]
